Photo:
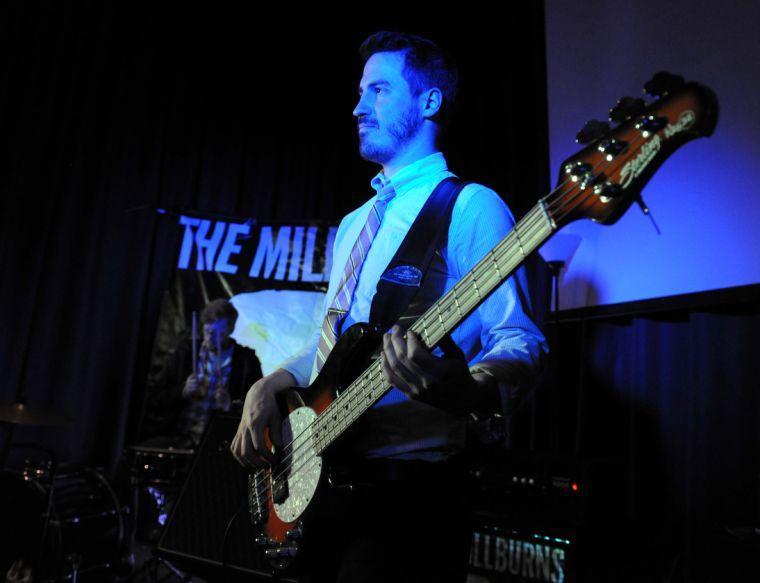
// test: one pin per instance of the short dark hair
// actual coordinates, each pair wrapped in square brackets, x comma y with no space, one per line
[425,64]
[218,309]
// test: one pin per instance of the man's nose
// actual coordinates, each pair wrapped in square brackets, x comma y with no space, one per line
[362,107]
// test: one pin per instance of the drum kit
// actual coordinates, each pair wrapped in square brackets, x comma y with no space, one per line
[66,522]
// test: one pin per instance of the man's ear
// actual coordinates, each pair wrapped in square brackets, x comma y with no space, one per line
[431,102]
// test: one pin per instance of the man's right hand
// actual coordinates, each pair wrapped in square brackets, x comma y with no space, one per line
[260,412]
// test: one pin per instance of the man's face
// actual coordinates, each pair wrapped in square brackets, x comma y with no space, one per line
[216,333]
[388,114]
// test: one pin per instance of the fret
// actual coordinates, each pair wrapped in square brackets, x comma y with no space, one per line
[349,402]
[372,388]
[363,393]
[495,263]
[426,327]
[475,284]
[440,317]
[466,295]
[526,239]
[331,426]
[516,231]
[317,431]
[545,212]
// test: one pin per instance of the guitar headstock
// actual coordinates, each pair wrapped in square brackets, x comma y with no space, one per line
[602,180]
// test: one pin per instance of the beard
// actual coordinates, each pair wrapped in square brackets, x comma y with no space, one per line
[382,145]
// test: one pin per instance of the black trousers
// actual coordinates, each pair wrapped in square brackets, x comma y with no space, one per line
[403,522]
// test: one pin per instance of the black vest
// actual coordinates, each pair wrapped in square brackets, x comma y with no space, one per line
[416,276]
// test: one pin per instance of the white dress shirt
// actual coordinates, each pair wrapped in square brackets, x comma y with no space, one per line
[499,337]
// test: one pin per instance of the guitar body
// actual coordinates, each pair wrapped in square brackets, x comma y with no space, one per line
[280,496]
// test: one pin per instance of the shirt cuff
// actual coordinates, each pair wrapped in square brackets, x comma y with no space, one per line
[299,367]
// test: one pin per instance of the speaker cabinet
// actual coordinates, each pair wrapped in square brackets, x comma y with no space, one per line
[213,499]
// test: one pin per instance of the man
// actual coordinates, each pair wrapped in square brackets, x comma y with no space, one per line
[219,375]
[413,435]
[180,400]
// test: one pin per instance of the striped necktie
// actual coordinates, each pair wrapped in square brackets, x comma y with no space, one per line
[343,297]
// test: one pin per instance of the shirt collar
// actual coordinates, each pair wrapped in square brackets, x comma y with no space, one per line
[410,175]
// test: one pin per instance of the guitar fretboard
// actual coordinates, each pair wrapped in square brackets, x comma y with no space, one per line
[439,320]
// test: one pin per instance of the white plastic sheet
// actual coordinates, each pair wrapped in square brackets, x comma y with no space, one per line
[276,324]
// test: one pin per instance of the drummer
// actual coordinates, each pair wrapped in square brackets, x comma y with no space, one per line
[209,387]
[180,400]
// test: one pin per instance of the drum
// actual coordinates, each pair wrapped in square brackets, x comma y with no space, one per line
[165,466]
[156,475]
[83,540]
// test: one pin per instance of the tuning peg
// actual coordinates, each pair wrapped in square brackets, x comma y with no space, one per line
[663,83]
[592,131]
[626,108]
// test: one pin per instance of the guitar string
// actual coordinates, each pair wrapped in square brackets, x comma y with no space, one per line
[506,249]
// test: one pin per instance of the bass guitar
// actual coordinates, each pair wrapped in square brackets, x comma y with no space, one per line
[600,183]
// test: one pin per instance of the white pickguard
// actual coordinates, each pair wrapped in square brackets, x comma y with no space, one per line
[304,467]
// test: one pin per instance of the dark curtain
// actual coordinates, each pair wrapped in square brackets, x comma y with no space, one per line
[111,111]
[673,397]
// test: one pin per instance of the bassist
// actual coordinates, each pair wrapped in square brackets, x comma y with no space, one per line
[406,457]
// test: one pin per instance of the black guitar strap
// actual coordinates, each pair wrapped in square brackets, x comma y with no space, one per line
[406,273]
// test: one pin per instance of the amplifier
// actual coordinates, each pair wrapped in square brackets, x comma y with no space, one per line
[213,498]
[502,553]
[544,490]
[543,518]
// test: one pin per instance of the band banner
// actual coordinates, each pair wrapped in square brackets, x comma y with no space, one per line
[266,256]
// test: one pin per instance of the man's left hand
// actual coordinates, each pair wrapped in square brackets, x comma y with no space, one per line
[445,383]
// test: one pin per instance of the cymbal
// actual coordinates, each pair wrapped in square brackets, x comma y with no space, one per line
[23,414]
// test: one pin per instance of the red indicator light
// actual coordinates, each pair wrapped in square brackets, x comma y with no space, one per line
[575,487]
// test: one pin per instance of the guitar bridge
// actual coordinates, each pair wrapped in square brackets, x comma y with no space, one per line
[257,497]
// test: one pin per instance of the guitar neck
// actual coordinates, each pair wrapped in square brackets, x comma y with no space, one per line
[440,319]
